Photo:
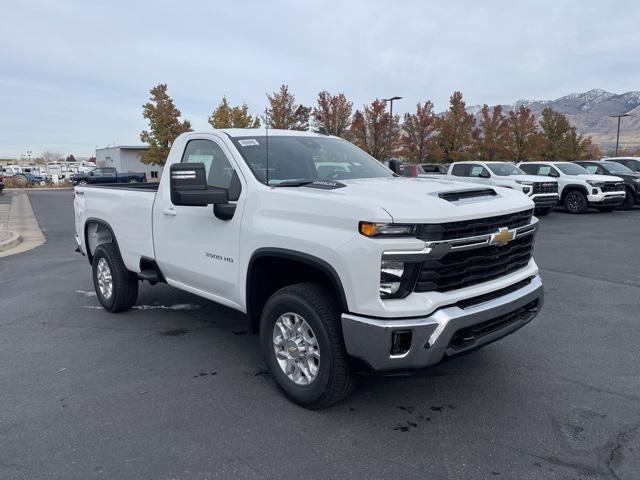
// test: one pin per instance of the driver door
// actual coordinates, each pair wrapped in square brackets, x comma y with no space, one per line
[193,247]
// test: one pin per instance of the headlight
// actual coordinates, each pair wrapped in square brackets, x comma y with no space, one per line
[595,183]
[369,229]
[637,180]
[397,278]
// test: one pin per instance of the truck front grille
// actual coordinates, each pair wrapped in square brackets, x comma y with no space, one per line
[463,268]
[475,227]
[545,187]
[613,187]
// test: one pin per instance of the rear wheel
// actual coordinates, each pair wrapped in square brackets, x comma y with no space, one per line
[302,345]
[133,180]
[576,202]
[82,182]
[629,200]
[116,287]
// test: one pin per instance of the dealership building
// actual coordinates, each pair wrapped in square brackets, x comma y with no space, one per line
[126,159]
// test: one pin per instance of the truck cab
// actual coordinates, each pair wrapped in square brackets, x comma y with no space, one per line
[542,190]
[339,265]
[579,189]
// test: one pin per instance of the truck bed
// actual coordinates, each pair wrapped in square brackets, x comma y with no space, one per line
[127,209]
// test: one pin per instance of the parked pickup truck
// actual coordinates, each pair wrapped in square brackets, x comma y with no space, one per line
[631,179]
[579,189]
[340,265]
[106,175]
[542,190]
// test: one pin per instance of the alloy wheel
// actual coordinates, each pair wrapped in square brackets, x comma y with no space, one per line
[296,348]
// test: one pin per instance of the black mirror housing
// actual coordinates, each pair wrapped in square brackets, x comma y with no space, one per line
[395,166]
[188,186]
[484,175]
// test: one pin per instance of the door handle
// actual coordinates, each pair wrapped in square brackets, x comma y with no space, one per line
[170,212]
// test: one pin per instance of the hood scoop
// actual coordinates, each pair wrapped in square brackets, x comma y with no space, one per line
[458,195]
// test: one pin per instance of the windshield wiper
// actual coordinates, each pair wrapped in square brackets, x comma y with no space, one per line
[292,183]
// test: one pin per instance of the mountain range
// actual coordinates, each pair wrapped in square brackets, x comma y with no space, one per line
[589,113]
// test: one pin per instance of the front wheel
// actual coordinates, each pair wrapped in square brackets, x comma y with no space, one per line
[116,287]
[133,180]
[576,202]
[302,345]
[629,200]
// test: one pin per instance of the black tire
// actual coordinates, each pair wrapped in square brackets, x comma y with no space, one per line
[541,212]
[83,182]
[605,209]
[629,200]
[133,180]
[576,202]
[318,306]
[124,283]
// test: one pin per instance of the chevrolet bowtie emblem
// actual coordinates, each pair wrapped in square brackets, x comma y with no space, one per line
[503,236]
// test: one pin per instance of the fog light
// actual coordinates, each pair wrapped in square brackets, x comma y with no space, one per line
[594,191]
[400,342]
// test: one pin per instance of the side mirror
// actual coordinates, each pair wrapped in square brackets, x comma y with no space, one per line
[484,174]
[188,186]
[395,166]
[91,173]
[554,174]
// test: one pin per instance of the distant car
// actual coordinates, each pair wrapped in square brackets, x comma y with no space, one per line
[106,175]
[541,189]
[435,168]
[632,163]
[1,183]
[579,189]
[631,178]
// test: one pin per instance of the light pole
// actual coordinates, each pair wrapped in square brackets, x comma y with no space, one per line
[29,156]
[618,134]
[390,100]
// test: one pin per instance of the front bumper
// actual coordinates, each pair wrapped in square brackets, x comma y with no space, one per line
[545,201]
[447,332]
[606,199]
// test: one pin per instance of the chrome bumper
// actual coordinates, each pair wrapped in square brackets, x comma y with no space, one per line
[432,337]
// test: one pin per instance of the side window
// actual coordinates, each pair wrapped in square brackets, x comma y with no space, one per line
[592,168]
[545,170]
[476,170]
[528,168]
[460,170]
[97,172]
[217,165]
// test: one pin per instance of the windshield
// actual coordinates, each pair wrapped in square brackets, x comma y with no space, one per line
[300,159]
[571,169]
[504,169]
[617,168]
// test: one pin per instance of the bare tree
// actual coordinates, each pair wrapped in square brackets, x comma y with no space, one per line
[49,157]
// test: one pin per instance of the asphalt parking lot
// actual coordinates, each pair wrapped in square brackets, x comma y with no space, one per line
[175,389]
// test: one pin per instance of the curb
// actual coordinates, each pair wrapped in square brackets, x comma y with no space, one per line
[9,239]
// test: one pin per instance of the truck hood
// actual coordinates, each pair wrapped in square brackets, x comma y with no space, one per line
[599,178]
[531,178]
[417,200]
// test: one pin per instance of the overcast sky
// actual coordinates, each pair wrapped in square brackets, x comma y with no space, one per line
[74,74]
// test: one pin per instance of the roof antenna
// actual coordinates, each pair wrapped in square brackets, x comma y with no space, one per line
[266,125]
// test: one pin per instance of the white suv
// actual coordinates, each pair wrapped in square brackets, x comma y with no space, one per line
[579,189]
[542,190]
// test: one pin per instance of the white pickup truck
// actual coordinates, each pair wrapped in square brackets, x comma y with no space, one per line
[339,264]
[542,190]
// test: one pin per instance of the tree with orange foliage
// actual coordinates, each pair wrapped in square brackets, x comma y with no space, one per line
[369,129]
[418,133]
[522,137]
[284,113]
[333,113]
[491,143]
[456,131]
